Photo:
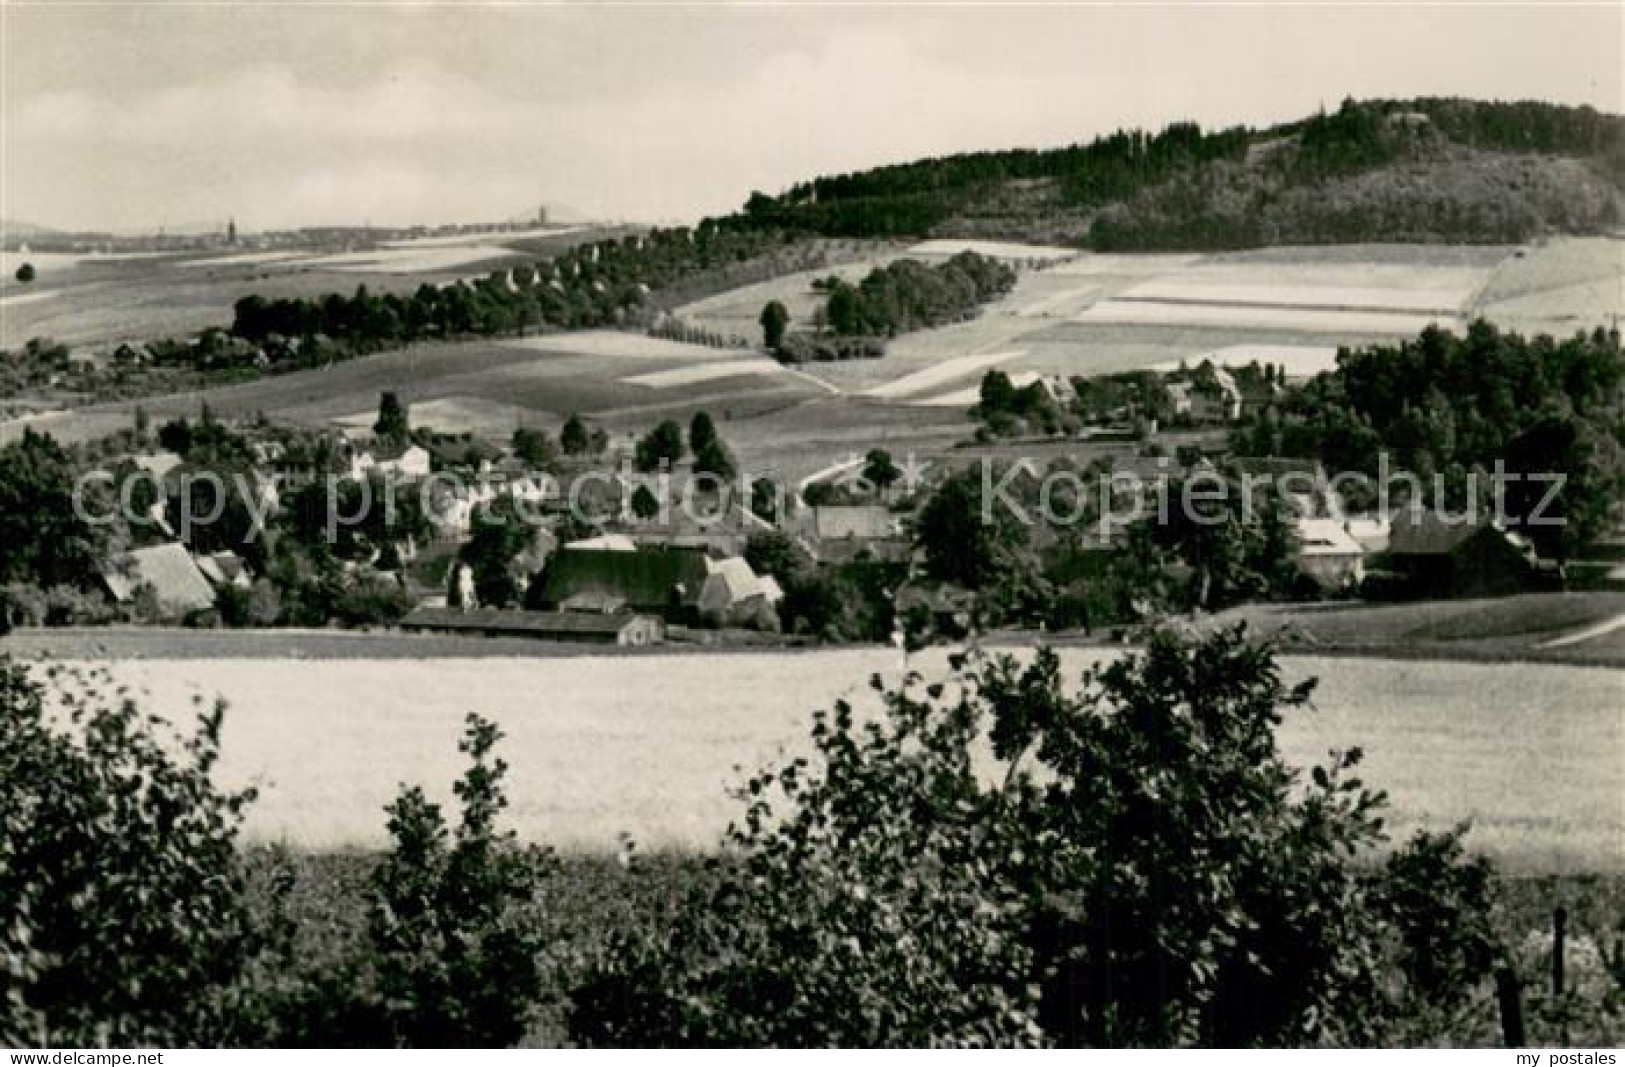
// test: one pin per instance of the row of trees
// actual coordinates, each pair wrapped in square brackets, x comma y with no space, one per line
[1141,867]
[607,283]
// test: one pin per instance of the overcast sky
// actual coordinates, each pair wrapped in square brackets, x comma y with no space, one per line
[131,116]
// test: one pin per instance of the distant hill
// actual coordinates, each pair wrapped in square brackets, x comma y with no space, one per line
[1428,170]
[13,230]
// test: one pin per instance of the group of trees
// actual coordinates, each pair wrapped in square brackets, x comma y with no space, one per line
[1444,407]
[1007,411]
[1188,188]
[1026,542]
[904,295]
[1141,867]
[908,295]
[48,545]
[912,198]
[662,448]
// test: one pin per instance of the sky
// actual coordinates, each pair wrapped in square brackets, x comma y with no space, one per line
[137,116]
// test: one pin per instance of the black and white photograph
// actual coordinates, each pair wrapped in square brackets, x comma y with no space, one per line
[811,525]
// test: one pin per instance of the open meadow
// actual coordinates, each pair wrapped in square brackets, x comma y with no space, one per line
[600,745]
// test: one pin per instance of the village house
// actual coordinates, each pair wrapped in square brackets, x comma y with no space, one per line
[1213,398]
[609,542]
[1055,386]
[1328,555]
[845,533]
[720,534]
[1371,532]
[177,585]
[399,461]
[157,464]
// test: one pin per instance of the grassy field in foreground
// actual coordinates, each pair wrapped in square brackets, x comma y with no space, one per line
[1532,754]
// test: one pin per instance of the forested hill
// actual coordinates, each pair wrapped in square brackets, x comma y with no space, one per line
[1428,170]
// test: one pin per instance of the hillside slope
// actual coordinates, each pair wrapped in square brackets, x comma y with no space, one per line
[1415,171]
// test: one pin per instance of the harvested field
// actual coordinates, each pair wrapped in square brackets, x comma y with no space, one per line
[241,259]
[737,312]
[1091,263]
[1535,625]
[140,296]
[704,372]
[411,260]
[11,300]
[1324,297]
[616,343]
[1558,287]
[503,238]
[941,374]
[605,744]
[1148,313]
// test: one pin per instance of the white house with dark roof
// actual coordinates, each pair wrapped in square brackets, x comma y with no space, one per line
[1328,554]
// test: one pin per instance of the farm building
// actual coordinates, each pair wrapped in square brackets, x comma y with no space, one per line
[168,570]
[664,583]
[681,586]
[625,630]
[721,534]
[1439,557]
[853,533]
[157,464]
[409,461]
[856,522]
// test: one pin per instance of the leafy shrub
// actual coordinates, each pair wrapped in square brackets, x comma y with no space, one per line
[121,911]
[1136,865]
[452,953]
[864,907]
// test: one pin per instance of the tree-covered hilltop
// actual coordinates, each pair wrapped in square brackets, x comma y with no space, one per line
[1444,170]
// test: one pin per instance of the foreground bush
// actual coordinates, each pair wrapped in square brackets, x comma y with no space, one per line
[122,917]
[1002,859]
[1136,865]
[452,951]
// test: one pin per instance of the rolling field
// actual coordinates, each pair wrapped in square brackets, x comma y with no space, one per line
[1534,755]
[1095,314]
[104,299]
[624,380]
[738,311]
[1558,288]
[1088,314]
